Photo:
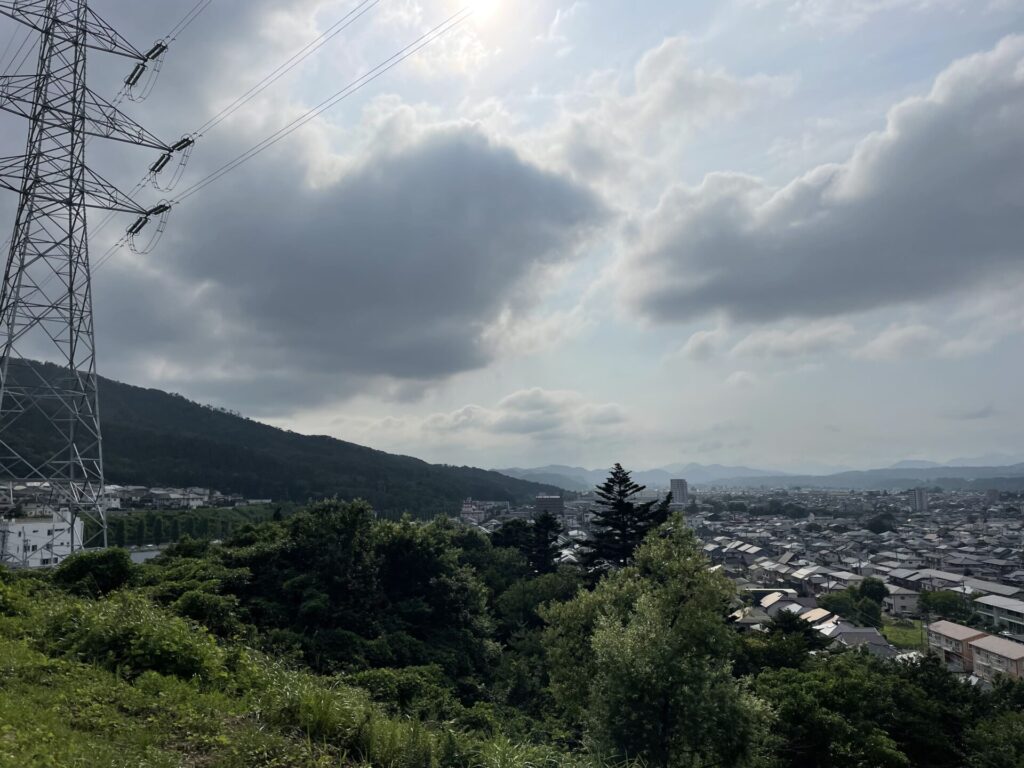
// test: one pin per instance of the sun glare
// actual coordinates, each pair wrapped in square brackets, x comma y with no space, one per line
[484,11]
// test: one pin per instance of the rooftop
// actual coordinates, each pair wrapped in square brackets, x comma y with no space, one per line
[1000,646]
[954,631]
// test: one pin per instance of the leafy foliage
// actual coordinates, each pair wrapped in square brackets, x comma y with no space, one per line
[330,637]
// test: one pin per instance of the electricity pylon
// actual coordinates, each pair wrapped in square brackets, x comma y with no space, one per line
[50,437]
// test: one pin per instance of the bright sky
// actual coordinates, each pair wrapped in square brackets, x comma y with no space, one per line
[783,233]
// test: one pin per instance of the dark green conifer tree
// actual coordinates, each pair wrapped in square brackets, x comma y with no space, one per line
[620,523]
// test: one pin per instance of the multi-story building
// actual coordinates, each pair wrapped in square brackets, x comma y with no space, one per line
[680,491]
[952,642]
[1002,612]
[995,656]
[554,505]
[31,542]
[919,500]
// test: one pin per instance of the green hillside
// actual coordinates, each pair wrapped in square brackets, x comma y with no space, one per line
[154,438]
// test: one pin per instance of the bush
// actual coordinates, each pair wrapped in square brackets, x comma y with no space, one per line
[126,633]
[92,574]
[218,613]
[416,691]
[300,701]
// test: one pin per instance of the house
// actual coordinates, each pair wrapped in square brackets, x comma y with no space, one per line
[994,656]
[900,601]
[951,642]
[848,635]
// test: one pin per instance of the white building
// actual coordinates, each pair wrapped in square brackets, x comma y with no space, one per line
[31,542]
[680,491]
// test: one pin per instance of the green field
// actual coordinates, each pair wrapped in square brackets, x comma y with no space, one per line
[908,637]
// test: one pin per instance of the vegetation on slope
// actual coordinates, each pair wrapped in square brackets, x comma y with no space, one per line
[333,638]
[153,438]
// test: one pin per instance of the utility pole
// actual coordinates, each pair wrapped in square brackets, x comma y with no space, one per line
[50,439]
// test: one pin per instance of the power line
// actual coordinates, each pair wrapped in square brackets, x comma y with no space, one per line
[188,18]
[387,64]
[392,61]
[294,60]
[297,58]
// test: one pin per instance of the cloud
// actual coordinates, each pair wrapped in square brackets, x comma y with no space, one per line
[397,268]
[556,32]
[900,341]
[917,340]
[702,345]
[741,379]
[617,127]
[800,342]
[850,14]
[932,205]
[973,414]
[532,413]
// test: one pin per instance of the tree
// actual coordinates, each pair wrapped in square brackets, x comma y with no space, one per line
[998,743]
[787,642]
[158,530]
[621,523]
[139,532]
[120,537]
[94,574]
[849,604]
[881,523]
[543,547]
[873,589]
[175,533]
[945,604]
[642,663]
[513,534]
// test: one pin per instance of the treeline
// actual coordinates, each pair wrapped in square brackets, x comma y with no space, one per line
[334,637]
[139,528]
[153,438]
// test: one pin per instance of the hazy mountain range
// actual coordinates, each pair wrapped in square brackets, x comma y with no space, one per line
[960,473]
[580,479]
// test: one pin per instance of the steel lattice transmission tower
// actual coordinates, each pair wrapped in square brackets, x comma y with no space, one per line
[50,436]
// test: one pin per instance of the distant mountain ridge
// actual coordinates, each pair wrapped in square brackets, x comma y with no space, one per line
[154,438]
[903,474]
[1010,477]
[581,479]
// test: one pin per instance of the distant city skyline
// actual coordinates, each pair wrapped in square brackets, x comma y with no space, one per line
[775,233]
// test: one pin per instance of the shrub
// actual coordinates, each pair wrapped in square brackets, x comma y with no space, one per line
[396,743]
[92,574]
[126,633]
[300,701]
[218,613]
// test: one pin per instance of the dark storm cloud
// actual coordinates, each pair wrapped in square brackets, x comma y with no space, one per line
[933,204]
[268,292]
[395,270]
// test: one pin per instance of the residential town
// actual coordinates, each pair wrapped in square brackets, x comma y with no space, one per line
[787,550]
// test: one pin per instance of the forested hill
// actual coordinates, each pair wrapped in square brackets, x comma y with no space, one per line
[154,438]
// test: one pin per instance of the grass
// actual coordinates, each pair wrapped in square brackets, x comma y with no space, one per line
[95,690]
[903,633]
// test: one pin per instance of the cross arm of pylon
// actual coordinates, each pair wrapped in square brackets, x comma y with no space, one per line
[103,119]
[98,34]
[99,193]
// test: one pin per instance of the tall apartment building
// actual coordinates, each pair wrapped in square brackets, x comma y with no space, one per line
[553,504]
[680,491]
[919,500]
